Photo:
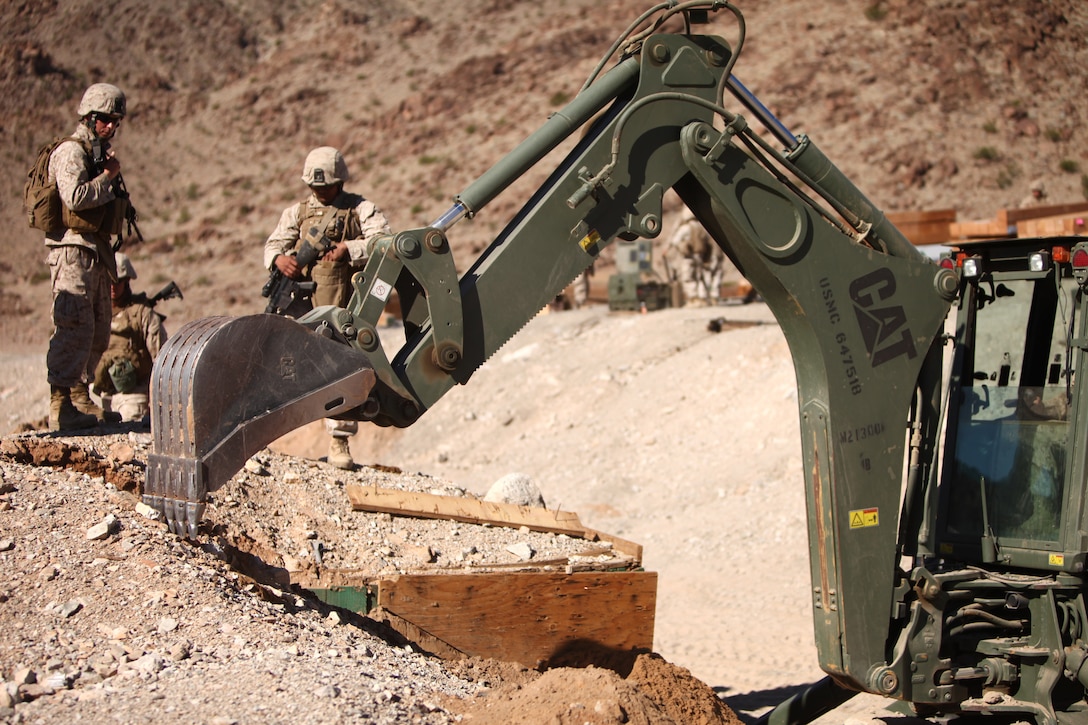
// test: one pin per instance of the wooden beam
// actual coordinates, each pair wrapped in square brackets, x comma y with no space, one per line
[469,510]
[537,619]
[1038,212]
[978,230]
[1054,226]
[475,511]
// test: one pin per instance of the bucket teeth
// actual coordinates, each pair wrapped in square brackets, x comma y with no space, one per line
[224,388]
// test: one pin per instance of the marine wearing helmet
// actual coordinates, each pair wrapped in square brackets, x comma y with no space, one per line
[341,224]
[103,99]
[92,209]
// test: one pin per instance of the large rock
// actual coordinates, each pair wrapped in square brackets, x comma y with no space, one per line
[515,488]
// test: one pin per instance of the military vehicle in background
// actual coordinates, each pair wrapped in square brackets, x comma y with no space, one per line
[634,285]
[944,454]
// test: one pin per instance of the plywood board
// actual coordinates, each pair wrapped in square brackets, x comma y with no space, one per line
[536,619]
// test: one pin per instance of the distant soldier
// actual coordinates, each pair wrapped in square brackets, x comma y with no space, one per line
[123,376]
[695,261]
[347,222]
[81,263]
[1036,195]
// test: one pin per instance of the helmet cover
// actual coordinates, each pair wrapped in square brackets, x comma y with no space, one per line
[324,167]
[103,98]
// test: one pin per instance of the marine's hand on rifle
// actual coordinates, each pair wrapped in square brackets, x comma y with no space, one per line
[288,265]
[336,253]
[111,166]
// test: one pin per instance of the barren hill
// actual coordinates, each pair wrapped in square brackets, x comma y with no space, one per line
[925,105]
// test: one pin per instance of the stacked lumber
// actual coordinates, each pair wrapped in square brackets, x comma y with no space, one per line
[596,607]
[1024,222]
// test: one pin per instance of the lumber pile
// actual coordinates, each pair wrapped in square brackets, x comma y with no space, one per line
[1036,221]
[595,609]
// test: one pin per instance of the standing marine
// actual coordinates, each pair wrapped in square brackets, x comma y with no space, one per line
[695,261]
[340,224]
[80,256]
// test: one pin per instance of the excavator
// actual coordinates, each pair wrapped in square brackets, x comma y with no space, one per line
[937,399]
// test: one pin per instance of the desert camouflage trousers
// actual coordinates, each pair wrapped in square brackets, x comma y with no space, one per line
[131,406]
[81,315]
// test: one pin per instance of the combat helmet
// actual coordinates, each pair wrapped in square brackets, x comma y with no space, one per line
[103,98]
[125,270]
[324,167]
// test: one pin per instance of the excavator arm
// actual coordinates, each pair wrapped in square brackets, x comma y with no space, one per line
[860,307]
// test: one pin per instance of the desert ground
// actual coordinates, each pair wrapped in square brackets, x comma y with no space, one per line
[651,427]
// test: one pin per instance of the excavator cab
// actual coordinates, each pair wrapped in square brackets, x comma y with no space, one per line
[1012,483]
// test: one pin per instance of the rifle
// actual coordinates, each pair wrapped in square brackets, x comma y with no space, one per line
[169,292]
[280,289]
[98,156]
[121,192]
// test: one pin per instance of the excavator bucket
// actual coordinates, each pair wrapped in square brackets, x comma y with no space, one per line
[225,387]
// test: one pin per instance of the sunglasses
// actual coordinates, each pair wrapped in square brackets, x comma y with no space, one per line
[108,120]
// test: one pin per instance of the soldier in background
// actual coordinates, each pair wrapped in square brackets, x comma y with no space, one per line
[349,222]
[81,263]
[1036,195]
[123,376]
[695,261]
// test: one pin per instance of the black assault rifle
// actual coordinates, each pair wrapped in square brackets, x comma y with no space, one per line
[169,292]
[98,153]
[280,289]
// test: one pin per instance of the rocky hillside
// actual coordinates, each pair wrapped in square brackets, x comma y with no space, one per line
[925,105]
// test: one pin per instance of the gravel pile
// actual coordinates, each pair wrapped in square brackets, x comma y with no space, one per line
[107,613]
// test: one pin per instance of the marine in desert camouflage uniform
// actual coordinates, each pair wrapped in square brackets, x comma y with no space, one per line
[350,221]
[1036,194]
[123,376]
[695,261]
[81,263]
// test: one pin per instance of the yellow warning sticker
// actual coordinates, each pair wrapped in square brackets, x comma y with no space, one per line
[590,239]
[1057,559]
[862,518]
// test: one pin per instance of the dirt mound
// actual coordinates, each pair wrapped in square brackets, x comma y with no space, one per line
[655,693]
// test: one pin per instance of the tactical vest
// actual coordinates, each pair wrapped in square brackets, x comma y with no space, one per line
[332,279]
[104,220]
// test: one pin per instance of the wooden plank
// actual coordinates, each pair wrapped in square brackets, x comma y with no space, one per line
[470,510]
[622,546]
[1038,212]
[536,619]
[924,227]
[978,230]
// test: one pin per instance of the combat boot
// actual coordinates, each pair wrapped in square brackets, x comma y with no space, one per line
[85,404]
[63,415]
[340,454]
